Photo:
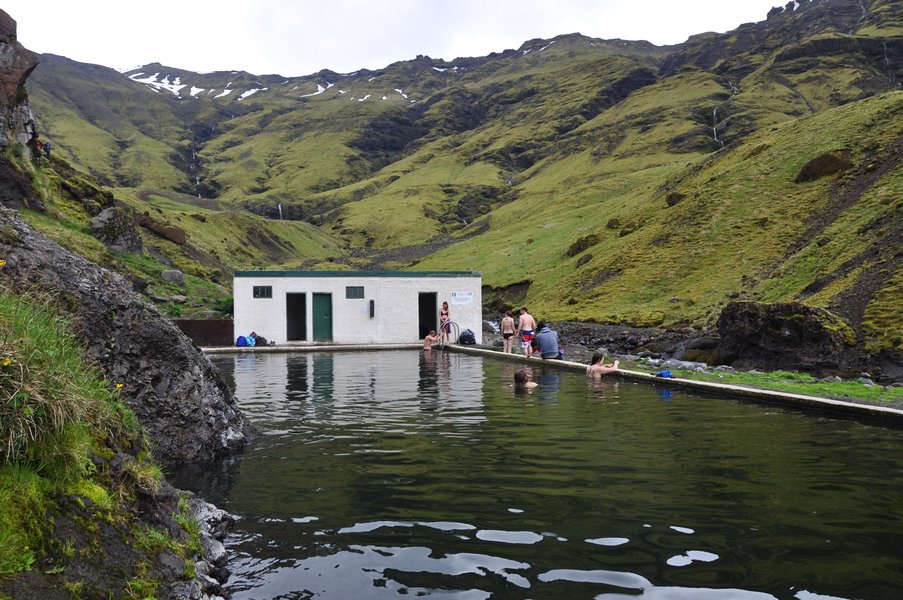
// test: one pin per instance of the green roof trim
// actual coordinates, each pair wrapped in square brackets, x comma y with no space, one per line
[336,274]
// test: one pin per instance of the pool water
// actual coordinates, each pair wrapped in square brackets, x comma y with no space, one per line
[402,473]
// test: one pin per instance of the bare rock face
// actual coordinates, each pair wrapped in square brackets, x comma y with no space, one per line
[17,121]
[181,400]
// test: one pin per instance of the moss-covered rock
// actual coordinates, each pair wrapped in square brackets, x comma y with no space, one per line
[788,336]
[115,227]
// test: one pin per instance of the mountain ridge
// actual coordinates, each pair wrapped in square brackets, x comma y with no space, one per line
[563,151]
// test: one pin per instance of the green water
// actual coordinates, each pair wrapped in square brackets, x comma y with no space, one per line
[395,474]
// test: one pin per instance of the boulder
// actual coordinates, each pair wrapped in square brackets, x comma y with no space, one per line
[165,230]
[786,336]
[173,276]
[115,227]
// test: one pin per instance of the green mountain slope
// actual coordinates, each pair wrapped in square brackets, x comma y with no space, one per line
[600,180]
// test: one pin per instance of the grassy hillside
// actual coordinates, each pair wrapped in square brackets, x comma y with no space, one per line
[599,180]
[737,225]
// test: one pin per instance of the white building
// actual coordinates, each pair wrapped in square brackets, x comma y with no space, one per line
[354,307]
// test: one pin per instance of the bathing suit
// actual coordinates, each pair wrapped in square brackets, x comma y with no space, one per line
[507,334]
[527,334]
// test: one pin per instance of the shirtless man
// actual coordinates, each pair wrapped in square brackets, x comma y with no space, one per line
[507,327]
[431,338]
[526,325]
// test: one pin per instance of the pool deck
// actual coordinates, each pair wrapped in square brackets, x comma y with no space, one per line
[887,415]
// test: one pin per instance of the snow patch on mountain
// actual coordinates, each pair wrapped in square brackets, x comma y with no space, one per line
[251,92]
[320,90]
[157,84]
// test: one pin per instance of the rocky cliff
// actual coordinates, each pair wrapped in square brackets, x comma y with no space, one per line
[180,399]
[17,121]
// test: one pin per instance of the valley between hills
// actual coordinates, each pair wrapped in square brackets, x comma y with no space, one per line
[597,181]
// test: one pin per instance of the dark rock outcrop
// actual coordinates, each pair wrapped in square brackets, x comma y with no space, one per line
[786,336]
[822,166]
[16,192]
[180,398]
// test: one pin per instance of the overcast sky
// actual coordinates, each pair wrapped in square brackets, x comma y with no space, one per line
[300,37]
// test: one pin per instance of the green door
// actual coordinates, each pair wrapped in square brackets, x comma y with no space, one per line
[322,317]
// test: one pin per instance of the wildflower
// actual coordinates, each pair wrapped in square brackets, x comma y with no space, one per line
[2,262]
[7,360]
[118,386]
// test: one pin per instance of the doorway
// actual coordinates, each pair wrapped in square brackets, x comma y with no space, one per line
[322,317]
[296,317]
[427,311]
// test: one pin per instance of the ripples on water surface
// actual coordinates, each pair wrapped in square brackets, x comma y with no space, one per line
[391,474]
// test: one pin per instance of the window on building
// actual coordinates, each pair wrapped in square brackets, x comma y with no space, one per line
[354,291]
[263,291]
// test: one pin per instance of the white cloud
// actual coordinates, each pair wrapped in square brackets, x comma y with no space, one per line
[299,37]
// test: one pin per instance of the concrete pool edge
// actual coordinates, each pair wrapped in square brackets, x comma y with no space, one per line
[308,347]
[870,411]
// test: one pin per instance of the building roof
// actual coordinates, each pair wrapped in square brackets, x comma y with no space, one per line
[336,274]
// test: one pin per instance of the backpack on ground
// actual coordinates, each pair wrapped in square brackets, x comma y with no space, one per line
[241,341]
[467,338]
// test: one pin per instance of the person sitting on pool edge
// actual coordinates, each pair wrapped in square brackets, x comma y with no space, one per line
[597,368]
[548,342]
[524,379]
[430,339]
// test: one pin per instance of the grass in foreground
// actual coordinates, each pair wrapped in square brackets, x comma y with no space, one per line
[60,425]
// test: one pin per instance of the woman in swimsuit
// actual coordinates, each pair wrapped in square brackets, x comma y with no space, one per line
[508,329]
[445,323]
[597,368]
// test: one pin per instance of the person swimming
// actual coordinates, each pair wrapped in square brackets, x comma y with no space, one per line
[524,379]
[598,368]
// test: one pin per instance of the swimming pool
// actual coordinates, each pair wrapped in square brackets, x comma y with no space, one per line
[402,473]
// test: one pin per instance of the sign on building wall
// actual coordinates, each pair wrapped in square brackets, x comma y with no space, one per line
[462,297]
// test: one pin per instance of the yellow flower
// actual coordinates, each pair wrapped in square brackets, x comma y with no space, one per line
[7,360]
[2,262]
[118,386]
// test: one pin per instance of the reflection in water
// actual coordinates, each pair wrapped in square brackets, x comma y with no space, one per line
[382,475]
